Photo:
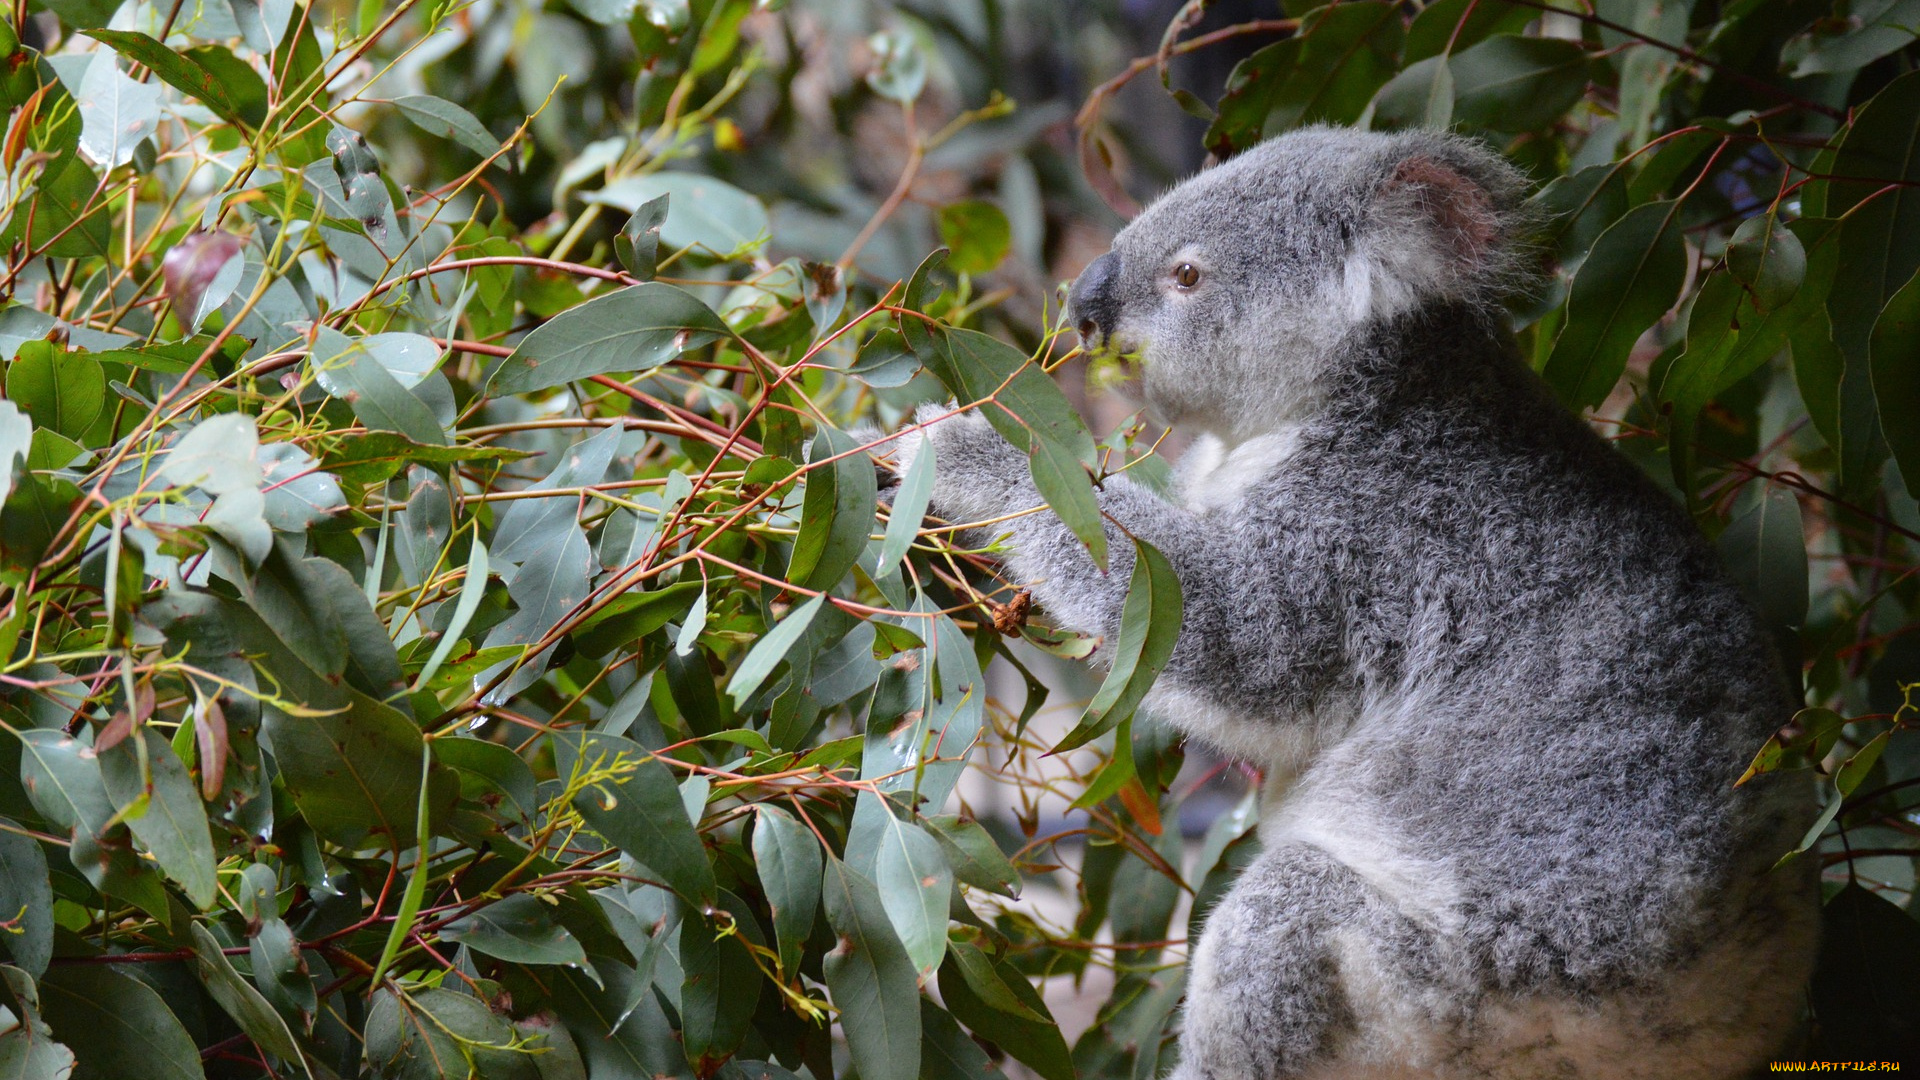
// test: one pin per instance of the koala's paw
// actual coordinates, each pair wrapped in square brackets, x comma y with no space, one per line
[977,474]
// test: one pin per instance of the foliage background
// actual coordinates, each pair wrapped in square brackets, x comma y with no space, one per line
[446,623]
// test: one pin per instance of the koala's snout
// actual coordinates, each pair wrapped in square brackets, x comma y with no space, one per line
[1092,301]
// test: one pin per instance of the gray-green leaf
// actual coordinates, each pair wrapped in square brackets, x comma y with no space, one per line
[635,329]
[871,979]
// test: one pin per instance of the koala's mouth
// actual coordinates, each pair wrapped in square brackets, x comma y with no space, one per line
[1113,360]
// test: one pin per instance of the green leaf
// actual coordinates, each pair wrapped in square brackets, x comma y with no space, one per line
[787,856]
[1871,29]
[26,901]
[1848,777]
[1765,549]
[1578,208]
[28,1050]
[1453,25]
[1896,378]
[946,1053]
[1420,96]
[1840,403]
[1327,72]
[442,1035]
[183,72]
[1514,83]
[522,929]
[636,329]
[915,883]
[416,890]
[279,969]
[638,243]
[1879,201]
[1728,338]
[1766,257]
[531,528]
[772,648]
[704,213]
[242,1002]
[472,590]
[556,1056]
[62,778]
[116,1025]
[490,768]
[1114,775]
[438,116]
[693,624]
[60,390]
[885,360]
[910,502]
[721,986]
[351,370]
[637,807]
[986,984]
[244,87]
[1816,730]
[173,824]
[899,69]
[219,455]
[1864,985]
[297,493]
[974,855]
[1632,277]
[67,221]
[1149,627]
[837,515]
[1036,1043]
[977,233]
[871,979]
[116,112]
[1673,159]
[16,441]
[621,1029]
[634,615]
[1027,409]
[1068,489]
[351,764]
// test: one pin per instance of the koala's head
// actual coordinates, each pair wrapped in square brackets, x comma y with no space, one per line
[1236,287]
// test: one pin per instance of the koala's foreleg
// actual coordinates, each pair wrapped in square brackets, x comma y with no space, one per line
[980,478]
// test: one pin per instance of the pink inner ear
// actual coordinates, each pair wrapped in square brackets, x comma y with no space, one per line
[1456,204]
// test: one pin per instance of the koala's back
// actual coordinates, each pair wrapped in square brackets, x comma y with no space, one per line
[1549,684]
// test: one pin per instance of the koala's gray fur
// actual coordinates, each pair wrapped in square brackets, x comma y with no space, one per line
[1499,684]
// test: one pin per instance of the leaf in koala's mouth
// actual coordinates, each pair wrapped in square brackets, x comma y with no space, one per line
[1108,367]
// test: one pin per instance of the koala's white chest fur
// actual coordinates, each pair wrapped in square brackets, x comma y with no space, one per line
[1213,475]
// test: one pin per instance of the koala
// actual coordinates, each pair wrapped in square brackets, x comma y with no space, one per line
[1499,685]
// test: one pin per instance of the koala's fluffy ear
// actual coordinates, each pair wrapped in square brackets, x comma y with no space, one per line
[1441,226]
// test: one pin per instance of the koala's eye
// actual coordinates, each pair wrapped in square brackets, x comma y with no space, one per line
[1186,275]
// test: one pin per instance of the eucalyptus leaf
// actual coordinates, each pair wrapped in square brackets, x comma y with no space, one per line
[871,979]
[788,858]
[520,928]
[1632,277]
[1149,627]
[242,1002]
[704,213]
[636,329]
[632,800]
[441,117]
[116,1025]
[171,822]
[115,111]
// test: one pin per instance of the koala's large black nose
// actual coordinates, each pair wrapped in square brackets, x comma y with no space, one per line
[1092,302]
